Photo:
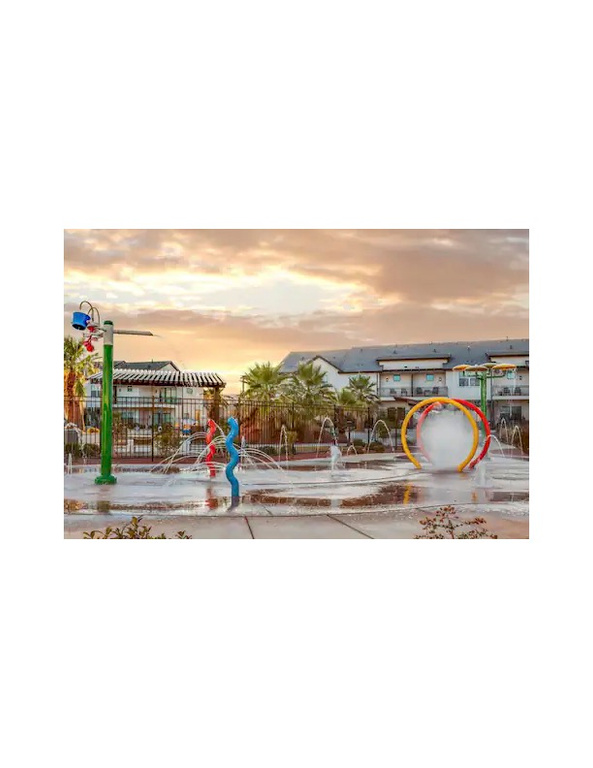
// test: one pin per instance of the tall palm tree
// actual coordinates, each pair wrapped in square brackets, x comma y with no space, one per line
[347,408]
[214,400]
[261,414]
[78,366]
[309,388]
[363,389]
[263,382]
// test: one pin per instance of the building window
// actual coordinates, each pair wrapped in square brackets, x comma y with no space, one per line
[430,377]
[396,377]
[468,381]
[130,389]
[510,374]
[190,391]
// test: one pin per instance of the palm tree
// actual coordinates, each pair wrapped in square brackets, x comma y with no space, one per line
[347,408]
[309,389]
[347,398]
[78,366]
[264,389]
[215,399]
[263,382]
[363,389]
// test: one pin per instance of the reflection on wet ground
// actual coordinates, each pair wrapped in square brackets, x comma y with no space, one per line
[389,494]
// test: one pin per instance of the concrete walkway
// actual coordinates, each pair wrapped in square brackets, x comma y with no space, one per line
[383,525]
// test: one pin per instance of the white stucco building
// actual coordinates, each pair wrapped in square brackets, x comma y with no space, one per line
[407,373]
[154,393]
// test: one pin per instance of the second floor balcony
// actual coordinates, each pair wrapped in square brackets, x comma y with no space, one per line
[503,391]
[394,392]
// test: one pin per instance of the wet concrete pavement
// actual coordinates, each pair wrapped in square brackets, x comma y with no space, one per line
[372,499]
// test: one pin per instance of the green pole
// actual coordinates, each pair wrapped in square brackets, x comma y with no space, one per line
[483,393]
[106,478]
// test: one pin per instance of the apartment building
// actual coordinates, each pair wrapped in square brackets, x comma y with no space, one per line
[404,374]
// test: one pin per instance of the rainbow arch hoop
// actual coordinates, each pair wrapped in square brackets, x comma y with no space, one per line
[471,407]
[446,401]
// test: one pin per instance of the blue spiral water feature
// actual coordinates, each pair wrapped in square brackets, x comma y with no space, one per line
[234,454]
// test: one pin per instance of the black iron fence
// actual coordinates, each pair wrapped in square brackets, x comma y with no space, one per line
[151,428]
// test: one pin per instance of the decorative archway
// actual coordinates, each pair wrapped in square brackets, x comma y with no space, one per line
[448,401]
[471,407]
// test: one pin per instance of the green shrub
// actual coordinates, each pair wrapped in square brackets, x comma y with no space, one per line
[270,450]
[358,442]
[291,437]
[376,447]
[92,450]
[131,530]
[446,522]
[168,439]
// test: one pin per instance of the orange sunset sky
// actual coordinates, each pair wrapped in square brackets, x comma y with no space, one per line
[221,300]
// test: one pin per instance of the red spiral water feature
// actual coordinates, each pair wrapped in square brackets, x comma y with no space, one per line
[211,447]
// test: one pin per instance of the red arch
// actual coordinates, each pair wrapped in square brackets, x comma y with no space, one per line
[473,408]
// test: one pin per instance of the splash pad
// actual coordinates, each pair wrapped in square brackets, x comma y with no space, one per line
[216,474]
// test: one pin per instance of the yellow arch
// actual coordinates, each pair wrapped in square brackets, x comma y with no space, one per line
[446,400]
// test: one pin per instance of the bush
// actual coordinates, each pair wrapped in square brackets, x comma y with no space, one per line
[358,442]
[73,448]
[82,451]
[168,439]
[270,450]
[376,447]
[131,530]
[446,522]
[291,437]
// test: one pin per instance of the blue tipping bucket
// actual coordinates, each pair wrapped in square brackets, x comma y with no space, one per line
[80,320]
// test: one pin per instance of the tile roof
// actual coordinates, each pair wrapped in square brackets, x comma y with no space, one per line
[152,365]
[164,378]
[365,359]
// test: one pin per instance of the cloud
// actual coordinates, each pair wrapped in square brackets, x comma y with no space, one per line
[410,264]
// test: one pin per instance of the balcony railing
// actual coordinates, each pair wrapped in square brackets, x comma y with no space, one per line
[413,391]
[510,391]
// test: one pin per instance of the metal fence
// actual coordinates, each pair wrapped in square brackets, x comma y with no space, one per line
[151,428]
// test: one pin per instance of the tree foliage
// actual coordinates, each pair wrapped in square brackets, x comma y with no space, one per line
[363,389]
[78,366]
[264,382]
